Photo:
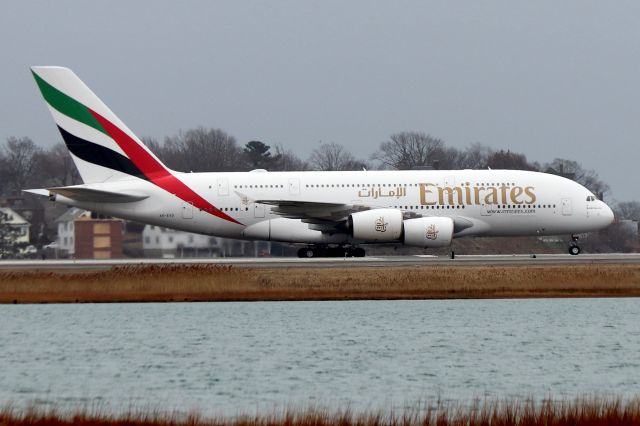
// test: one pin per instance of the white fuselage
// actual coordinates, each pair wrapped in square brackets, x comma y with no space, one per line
[490,202]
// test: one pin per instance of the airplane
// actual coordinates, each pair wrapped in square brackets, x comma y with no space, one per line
[327,213]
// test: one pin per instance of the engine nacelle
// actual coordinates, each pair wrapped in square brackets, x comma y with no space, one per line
[376,225]
[428,232]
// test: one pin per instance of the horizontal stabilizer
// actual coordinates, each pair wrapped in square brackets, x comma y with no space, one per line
[43,192]
[80,193]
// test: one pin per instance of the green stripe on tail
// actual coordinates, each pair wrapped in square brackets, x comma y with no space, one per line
[67,105]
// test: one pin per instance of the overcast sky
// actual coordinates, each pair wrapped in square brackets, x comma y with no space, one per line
[546,78]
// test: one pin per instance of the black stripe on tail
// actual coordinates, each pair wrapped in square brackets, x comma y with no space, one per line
[99,155]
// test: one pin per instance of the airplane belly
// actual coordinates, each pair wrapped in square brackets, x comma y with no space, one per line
[291,231]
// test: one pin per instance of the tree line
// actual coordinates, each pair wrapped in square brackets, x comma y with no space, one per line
[24,164]
[203,149]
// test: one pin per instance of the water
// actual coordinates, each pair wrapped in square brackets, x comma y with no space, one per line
[225,358]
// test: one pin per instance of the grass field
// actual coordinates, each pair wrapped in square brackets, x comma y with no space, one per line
[228,283]
[589,411]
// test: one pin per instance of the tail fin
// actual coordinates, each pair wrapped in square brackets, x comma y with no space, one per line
[102,147]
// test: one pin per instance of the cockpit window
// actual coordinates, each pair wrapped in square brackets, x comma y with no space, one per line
[591,198]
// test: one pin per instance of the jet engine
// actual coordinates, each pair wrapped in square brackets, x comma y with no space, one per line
[428,232]
[376,225]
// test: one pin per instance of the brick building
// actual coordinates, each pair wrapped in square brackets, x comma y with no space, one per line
[98,238]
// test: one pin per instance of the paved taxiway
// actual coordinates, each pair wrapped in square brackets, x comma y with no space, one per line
[373,261]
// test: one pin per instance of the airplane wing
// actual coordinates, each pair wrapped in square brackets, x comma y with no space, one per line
[329,217]
[80,193]
[321,216]
[312,211]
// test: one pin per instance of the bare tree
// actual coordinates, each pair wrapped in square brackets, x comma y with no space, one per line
[574,171]
[628,210]
[203,150]
[4,174]
[408,150]
[446,159]
[56,167]
[474,157]
[332,156]
[508,160]
[286,160]
[19,165]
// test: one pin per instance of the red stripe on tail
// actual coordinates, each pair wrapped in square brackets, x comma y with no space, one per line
[156,172]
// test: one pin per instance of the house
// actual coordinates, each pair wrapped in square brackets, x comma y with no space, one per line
[15,228]
[66,231]
[98,238]
[169,243]
[82,235]
[33,210]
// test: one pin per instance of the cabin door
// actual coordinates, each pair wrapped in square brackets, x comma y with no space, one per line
[223,186]
[258,210]
[566,207]
[294,186]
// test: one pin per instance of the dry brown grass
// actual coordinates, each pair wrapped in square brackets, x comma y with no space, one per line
[227,283]
[589,411]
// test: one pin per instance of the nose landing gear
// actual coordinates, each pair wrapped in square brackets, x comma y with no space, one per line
[574,248]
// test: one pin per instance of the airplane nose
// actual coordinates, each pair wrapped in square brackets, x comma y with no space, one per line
[607,214]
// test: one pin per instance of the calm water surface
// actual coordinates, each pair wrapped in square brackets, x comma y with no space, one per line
[232,357]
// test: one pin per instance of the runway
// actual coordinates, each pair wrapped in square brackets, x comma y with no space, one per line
[372,261]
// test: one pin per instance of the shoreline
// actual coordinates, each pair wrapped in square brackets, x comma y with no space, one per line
[209,283]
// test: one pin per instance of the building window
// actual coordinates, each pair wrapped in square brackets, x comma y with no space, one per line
[147,240]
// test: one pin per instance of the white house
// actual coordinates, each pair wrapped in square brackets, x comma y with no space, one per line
[66,231]
[164,242]
[18,225]
[169,243]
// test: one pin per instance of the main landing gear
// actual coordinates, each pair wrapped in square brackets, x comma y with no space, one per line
[574,248]
[326,251]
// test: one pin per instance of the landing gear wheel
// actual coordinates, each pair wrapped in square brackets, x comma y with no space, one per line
[306,252]
[574,250]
